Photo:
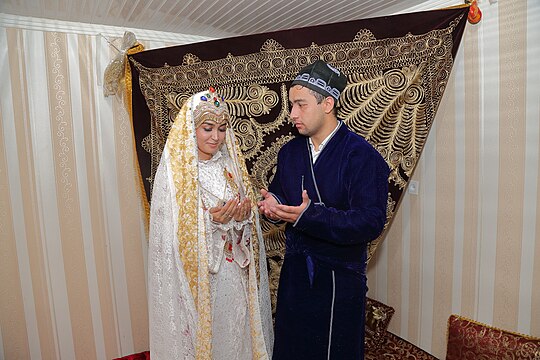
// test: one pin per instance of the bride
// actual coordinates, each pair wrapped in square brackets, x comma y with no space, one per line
[207,276]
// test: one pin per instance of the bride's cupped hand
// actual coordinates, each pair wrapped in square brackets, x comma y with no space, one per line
[236,209]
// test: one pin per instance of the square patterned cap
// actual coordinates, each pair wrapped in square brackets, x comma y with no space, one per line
[322,78]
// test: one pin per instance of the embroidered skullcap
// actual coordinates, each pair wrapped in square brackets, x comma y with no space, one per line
[208,105]
[322,78]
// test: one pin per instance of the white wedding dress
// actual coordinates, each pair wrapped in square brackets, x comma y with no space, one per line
[240,315]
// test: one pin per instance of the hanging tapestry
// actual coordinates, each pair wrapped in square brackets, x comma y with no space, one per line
[397,69]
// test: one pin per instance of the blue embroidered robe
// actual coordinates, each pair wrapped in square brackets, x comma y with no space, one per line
[322,288]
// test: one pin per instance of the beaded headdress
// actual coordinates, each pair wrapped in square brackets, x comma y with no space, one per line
[208,105]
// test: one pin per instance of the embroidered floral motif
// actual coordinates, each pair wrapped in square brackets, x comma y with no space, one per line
[228,252]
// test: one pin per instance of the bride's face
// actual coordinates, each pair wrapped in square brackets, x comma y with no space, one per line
[210,136]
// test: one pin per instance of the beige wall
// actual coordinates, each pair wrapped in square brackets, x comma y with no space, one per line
[72,240]
[469,242]
[73,243]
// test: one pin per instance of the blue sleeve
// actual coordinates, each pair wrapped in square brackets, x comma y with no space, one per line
[366,183]
[275,186]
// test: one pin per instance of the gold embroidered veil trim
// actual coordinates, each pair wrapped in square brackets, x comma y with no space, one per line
[182,148]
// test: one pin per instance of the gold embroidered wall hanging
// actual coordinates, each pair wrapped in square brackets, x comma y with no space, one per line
[397,69]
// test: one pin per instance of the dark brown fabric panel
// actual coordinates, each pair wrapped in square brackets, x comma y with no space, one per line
[389,27]
[397,69]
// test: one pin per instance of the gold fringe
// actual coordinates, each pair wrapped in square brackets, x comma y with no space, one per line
[455,7]
[128,103]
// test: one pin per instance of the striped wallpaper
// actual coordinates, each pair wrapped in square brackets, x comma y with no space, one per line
[469,242]
[73,244]
[72,239]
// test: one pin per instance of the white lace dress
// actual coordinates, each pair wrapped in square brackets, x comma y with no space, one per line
[228,254]
[236,300]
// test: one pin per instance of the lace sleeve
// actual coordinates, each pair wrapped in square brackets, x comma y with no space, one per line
[264,291]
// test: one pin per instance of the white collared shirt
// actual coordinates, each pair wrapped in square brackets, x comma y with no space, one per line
[315,153]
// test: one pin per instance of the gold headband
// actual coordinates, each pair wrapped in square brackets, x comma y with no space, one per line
[208,105]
